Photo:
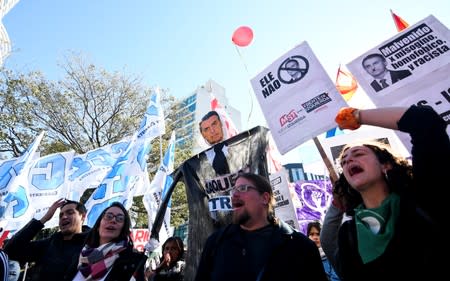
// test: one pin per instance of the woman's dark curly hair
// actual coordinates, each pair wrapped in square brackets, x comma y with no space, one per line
[399,178]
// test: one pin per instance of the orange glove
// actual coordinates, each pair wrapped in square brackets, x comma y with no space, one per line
[348,118]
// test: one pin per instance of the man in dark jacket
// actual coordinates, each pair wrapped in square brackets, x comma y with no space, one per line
[52,255]
[257,246]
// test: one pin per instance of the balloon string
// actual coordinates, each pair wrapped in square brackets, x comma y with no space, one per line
[248,76]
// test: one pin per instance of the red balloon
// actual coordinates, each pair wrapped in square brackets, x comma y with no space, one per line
[242,36]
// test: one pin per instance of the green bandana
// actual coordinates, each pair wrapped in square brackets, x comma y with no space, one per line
[375,227]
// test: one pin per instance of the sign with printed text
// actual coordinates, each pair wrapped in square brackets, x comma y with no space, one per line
[414,64]
[140,237]
[297,97]
[284,207]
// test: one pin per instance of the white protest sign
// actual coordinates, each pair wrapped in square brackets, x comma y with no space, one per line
[418,66]
[284,207]
[297,98]
[333,146]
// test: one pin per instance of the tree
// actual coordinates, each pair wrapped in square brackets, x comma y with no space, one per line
[87,109]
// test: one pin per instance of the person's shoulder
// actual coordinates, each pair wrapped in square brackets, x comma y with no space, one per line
[287,231]
[224,230]
[80,236]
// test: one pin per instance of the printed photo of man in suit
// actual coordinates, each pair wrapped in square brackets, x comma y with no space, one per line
[211,128]
[376,66]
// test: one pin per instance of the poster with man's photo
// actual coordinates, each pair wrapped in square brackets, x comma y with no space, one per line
[407,57]
[410,68]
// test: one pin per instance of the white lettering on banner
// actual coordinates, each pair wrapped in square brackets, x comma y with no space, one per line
[408,38]
[140,237]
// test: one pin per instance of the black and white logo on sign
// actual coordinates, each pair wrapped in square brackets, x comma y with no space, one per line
[293,69]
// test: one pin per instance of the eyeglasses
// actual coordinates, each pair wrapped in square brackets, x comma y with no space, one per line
[241,188]
[110,216]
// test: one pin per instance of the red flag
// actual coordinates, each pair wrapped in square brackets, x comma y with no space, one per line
[346,84]
[230,128]
[399,22]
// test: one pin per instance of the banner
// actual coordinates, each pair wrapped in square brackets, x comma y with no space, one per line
[297,97]
[315,197]
[15,206]
[140,237]
[158,189]
[284,207]
[48,180]
[130,170]
[89,169]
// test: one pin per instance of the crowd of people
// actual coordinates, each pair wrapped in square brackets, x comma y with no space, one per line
[391,206]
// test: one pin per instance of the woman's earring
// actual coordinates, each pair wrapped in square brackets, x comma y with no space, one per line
[386,175]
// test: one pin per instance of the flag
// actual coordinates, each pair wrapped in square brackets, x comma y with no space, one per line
[15,207]
[346,84]
[399,22]
[229,128]
[89,169]
[129,171]
[153,121]
[334,132]
[158,189]
[47,182]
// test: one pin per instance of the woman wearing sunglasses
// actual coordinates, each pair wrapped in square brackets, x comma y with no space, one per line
[108,253]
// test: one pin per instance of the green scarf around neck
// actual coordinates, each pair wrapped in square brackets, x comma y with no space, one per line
[375,227]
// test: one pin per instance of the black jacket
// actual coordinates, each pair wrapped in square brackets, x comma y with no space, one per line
[52,256]
[411,254]
[293,257]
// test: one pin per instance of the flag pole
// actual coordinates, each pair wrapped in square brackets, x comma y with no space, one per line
[331,171]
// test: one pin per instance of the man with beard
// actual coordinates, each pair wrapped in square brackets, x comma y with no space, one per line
[258,246]
[52,255]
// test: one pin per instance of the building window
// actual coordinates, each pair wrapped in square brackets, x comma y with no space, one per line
[297,174]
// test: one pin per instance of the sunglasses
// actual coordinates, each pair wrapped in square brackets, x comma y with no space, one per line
[242,188]
[110,216]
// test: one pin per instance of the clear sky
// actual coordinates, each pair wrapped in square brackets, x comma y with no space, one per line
[181,44]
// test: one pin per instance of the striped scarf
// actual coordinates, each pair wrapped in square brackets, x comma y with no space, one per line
[94,263]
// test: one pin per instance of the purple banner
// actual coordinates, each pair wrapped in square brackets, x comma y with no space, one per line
[314,198]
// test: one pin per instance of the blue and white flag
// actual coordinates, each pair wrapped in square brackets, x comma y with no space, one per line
[15,203]
[130,169]
[89,170]
[153,123]
[48,182]
[157,190]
